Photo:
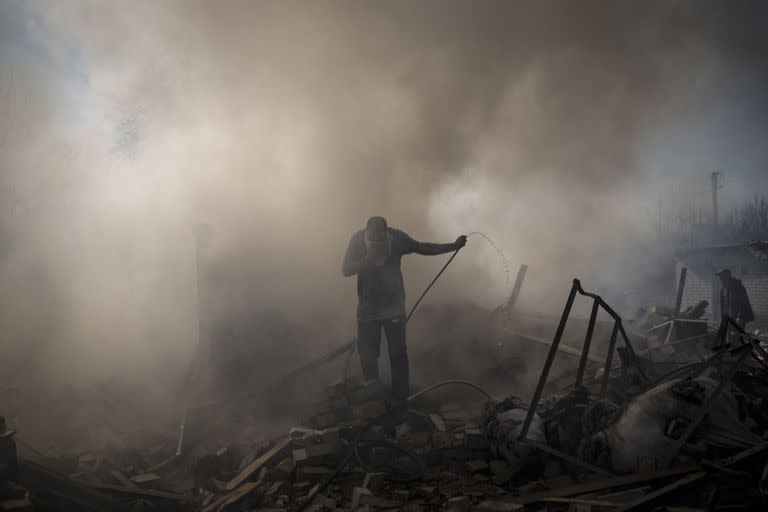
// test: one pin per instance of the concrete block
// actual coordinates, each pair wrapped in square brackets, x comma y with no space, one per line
[374,482]
[358,493]
[380,456]
[428,491]
[368,410]
[497,465]
[312,472]
[498,506]
[324,501]
[627,496]
[366,392]
[145,478]
[324,420]
[458,504]
[440,440]
[313,452]
[473,466]
[377,502]
[276,487]
[437,422]
[330,436]
[286,467]
[421,439]
[475,440]
[401,495]
[502,472]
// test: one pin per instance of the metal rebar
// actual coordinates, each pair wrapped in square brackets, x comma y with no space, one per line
[587,342]
[670,331]
[548,363]
[609,358]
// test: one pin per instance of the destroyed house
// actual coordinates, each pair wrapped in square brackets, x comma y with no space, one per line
[747,262]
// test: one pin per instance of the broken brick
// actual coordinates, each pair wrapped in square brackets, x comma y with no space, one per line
[458,504]
[473,466]
[374,482]
[438,422]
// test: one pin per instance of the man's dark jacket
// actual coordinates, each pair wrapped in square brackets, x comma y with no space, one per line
[734,302]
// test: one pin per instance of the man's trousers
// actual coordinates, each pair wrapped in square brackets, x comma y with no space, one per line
[368,343]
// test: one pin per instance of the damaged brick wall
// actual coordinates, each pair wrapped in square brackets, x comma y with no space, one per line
[757,289]
[699,287]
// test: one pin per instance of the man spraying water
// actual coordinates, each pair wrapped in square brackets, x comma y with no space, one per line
[374,254]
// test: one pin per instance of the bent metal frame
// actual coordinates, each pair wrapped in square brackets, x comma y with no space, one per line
[738,356]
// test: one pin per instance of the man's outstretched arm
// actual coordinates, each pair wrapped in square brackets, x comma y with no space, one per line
[430,249]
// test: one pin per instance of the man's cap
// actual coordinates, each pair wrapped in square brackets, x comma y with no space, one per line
[376,225]
[376,221]
[376,229]
[723,272]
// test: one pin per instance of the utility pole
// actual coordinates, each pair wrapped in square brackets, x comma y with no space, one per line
[201,359]
[658,225]
[715,176]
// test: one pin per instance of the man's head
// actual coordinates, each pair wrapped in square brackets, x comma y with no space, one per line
[724,275]
[376,229]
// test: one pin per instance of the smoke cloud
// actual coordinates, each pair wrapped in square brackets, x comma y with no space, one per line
[552,127]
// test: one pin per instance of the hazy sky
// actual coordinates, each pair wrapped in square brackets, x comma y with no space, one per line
[552,127]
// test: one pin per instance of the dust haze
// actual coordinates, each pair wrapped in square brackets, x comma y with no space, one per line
[552,127]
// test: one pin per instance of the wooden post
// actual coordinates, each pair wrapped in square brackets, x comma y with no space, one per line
[680,290]
[516,288]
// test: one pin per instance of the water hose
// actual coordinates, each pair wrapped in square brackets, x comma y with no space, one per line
[429,286]
[446,383]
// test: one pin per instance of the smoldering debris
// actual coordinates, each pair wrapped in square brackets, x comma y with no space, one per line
[621,432]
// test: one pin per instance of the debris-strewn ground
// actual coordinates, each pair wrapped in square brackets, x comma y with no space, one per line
[679,423]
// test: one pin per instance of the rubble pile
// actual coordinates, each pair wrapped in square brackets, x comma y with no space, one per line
[656,316]
[12,495]
[357,452]
[666,337]
[380,457]
[624,434]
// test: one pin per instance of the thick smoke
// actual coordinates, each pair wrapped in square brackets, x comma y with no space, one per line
[552,127]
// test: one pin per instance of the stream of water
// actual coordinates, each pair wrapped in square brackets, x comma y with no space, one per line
[499,252]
